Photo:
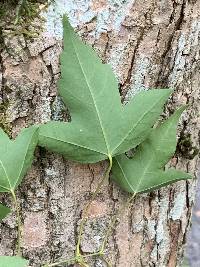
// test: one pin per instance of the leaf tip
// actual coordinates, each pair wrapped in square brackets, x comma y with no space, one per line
[66,23]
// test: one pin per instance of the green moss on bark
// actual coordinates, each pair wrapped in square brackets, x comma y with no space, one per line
[19,15]
[186,148]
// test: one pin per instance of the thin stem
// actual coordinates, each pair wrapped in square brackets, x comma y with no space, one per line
[113,221]
[19,223]
[107,262]
[78,257]
[91,255]
[72,260]
[18,10]
[84,264]
[86,209]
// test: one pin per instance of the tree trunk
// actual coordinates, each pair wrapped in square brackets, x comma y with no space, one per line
[149,44]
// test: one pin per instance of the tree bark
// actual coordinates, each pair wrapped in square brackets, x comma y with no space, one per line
[149,44]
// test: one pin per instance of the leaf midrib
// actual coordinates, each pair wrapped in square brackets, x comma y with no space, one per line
[9,189]
[22,165]
[144,172]
[72,143]
[95,105]
[124,175]
[135,190]
[152,187]
[135,125]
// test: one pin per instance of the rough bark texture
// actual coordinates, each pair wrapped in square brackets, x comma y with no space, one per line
[193,241]
[150,44]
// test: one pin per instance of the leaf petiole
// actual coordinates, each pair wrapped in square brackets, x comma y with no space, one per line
[69,261]
[86,209]
[73,260]
[113,222]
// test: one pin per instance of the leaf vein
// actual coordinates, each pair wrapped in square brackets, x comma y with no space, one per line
[23,160]
[136,124]
[71,143]
[125,176]
[94,101]
[6,176]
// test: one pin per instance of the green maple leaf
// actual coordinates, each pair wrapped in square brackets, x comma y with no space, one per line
[8,261]
[4,211]
[101,127]
[144,172]
[16,157]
